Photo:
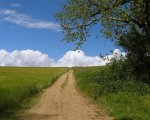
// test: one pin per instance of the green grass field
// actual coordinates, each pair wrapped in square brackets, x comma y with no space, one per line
[123,100]
[18,84]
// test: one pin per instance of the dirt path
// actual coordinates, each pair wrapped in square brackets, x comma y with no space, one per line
[63,102]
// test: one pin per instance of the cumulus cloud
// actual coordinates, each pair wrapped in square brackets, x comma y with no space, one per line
[116,54]
[24,58]
[78,58]
[70,59]
[24,20]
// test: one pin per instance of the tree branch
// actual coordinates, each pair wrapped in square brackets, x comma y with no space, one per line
[128,21]
[121,20]
[121,2]
[81,26]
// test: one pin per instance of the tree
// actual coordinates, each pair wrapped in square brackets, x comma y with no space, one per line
[137,45]
[127,22]
[115,18]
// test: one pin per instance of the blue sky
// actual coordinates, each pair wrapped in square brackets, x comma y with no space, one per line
[30,24]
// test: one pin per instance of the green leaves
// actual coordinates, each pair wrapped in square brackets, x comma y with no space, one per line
[116,18]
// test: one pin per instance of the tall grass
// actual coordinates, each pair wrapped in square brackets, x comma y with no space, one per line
[124,99]
[18,84]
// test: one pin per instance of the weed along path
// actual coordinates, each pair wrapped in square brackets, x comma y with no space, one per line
[63,102]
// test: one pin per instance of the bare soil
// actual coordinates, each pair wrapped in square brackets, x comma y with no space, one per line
[62,101]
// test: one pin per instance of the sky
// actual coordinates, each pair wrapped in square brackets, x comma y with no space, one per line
[30,36]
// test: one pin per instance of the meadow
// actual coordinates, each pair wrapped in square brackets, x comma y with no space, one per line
[122,99]
[20,83]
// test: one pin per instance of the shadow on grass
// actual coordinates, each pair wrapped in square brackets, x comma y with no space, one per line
[124,118]
[8,116]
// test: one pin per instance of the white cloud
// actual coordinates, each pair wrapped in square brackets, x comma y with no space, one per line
[24,58]
[24,20]
[117,54]
[16,5]
[7,12]
[78,58]
[37,58]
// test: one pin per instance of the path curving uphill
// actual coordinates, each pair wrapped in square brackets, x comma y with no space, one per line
[63,102]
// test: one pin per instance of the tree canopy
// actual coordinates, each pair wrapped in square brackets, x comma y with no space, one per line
[114,17]
[127,22]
